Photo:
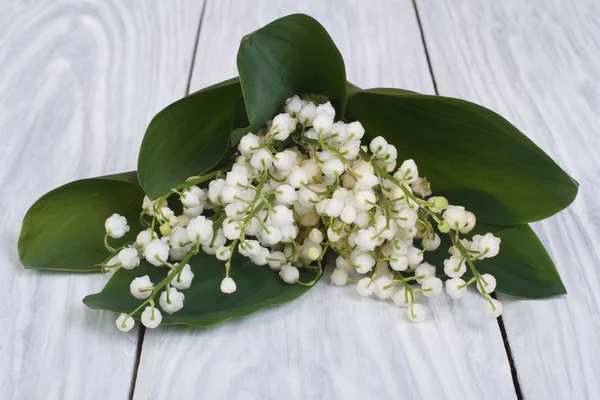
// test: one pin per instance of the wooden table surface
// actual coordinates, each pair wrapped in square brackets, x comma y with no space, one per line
[79,82]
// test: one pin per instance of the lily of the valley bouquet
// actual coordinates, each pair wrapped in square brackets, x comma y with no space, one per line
[251,190]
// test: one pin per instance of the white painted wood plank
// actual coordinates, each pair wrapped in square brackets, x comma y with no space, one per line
[538,64]
[329,344]
[80,81]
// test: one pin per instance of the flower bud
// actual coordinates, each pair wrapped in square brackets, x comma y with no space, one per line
[165,229]
[444,227]
[440,203]
[313,253]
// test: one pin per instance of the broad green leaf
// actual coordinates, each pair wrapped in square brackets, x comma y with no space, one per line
[204,305]
[292,55]
[187,138]
[522,269]
[64,229]
[470,154]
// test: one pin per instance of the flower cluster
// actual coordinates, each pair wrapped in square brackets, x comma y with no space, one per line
[304,192]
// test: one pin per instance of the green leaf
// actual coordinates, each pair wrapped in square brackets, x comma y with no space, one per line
[188,138]
[470,154]
[204,305]
[292,55]
[522,269]
[64,229]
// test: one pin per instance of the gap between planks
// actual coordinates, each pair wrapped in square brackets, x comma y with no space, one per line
[513,368]
[142,334]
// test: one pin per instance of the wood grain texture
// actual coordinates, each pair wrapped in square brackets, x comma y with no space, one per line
[538,64]
[330,343]
[80,81]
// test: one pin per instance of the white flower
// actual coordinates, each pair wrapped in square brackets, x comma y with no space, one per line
[283,160]
[276,259]
[456,217]
[262,257]
[432,287]
[284,124]
[489,283]
[215,190]
[316,235]
[223,253]
[310,250]
[285,194]
[125,323]
[454,268]
[148,205]
[493,308]
[333,207]
[350,149]
[414,256]
[307,114]
[248,144]
[281,216]
[333,167]
[364,200]
[365,287]
[191,213]
[228,285]
[384,228]
[456,288]
[367,180]
[167,215]
[363,262]
[431,244]
[402,298]
[288,233]
[332,235]
[200,230]
[151,317]
[408,172]
[366,239]
[471,220]
[145,237]
[339,130]
[261,159]
[141,287]
[112,266]
[156,252]
[189,199]
[424,271]
[236,178]
[171,301]
[183,280]
[116,226]
[488,245]
[391,154]
[289,274]
[326,108]
[421,187]
[271,235]
[416,312]
[297,177]
[355,129]
[384,288]
[230,193]
[378,146]
[348,214]
[339,277]
[293,105]
[323,123]
[128,257]
[399,262]
[407,218]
